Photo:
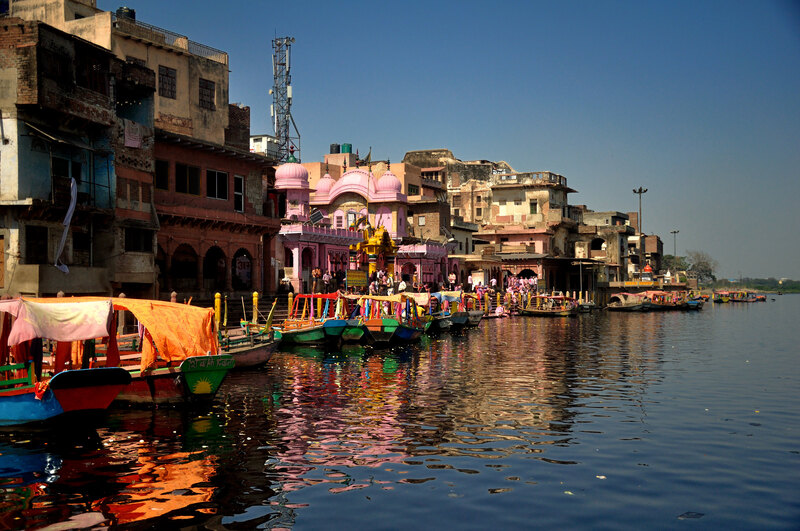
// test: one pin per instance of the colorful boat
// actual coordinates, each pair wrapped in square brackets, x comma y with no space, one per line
[721,297]
[742,296]
[176,359]
[252,344]
[306,323]
[26,394]
[551,306]
[661,301]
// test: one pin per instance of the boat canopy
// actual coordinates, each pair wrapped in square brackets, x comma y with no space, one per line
[60,320]
[449,296]
[176,331]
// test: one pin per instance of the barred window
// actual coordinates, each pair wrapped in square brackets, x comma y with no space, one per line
[207,94]
[167,81]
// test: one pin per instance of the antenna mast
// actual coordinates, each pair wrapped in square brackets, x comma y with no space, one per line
[281,109]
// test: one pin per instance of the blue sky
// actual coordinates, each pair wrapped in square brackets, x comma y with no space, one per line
[699,102]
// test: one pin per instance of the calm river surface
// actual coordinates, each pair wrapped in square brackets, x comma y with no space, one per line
[605,421]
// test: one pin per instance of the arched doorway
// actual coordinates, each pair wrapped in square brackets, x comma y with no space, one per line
[407,271]
[242,270]
[527,273]
[214,270]
[184,268]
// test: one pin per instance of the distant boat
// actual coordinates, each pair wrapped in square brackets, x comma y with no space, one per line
[551,306]
[626,302]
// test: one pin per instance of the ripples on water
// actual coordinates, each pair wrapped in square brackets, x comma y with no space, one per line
[603,421]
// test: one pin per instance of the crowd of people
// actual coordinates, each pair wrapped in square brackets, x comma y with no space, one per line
[381,282]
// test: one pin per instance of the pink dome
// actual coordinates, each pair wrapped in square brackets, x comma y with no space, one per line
[325,184]
[291,176]
[389,183]
[357,181]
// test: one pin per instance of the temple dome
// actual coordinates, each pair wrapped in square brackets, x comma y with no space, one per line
[291,175]
[357,181]
[325,184]
[389,183]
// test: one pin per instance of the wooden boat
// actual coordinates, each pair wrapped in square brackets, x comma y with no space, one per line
[252,344]
[176,359]
[661,301]
[27,395]
[721,297]
[626,302]
[742,296]
[551,306]
[391,319]
[465,308]
[306,323]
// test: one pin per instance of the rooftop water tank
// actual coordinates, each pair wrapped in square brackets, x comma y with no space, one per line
[347,148]
[126,12]
[334,148]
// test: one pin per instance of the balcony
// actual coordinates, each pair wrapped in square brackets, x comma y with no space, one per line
[159,36]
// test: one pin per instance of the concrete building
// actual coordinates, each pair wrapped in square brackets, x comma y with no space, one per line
[192,95]
[60,129]
[214,214]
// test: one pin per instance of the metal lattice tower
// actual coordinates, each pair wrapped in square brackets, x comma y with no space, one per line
[281,109]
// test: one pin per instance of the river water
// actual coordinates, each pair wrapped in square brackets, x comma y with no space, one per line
[604,421]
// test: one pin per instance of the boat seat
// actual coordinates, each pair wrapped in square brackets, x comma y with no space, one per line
[15,383]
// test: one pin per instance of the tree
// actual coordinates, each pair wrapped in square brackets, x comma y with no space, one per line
[674,263]
[701,263]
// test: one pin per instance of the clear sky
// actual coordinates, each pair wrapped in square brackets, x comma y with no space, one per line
[699,102]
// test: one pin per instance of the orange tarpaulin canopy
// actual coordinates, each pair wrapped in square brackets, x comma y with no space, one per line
[178,331]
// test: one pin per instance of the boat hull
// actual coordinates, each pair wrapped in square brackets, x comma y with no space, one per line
[82,390]
[354,332]
[571,312]
[313,335]
[474,317]
[381,331]
[407,333]
[197,379]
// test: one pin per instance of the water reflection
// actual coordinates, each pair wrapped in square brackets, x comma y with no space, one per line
[358,418]
[525,411]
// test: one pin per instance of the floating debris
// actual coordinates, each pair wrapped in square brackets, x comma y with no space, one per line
[688,515]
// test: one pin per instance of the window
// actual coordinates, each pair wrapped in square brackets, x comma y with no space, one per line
[421,221]
[187,179]
[517,202]
[504,239]
[167,82]
[207,94]
[66,168]
[238,193]
[456,212]
[534,207]
[478,212]
[138,240]
[339,221]
[413,189]
[351,219]
[36,244]
[456,200]
[217,184]
[478,199]
[162,175]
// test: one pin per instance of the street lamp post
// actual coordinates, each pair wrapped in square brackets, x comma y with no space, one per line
[674,243]
[640,191]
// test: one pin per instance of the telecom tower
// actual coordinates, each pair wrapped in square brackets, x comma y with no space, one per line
[281,109]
